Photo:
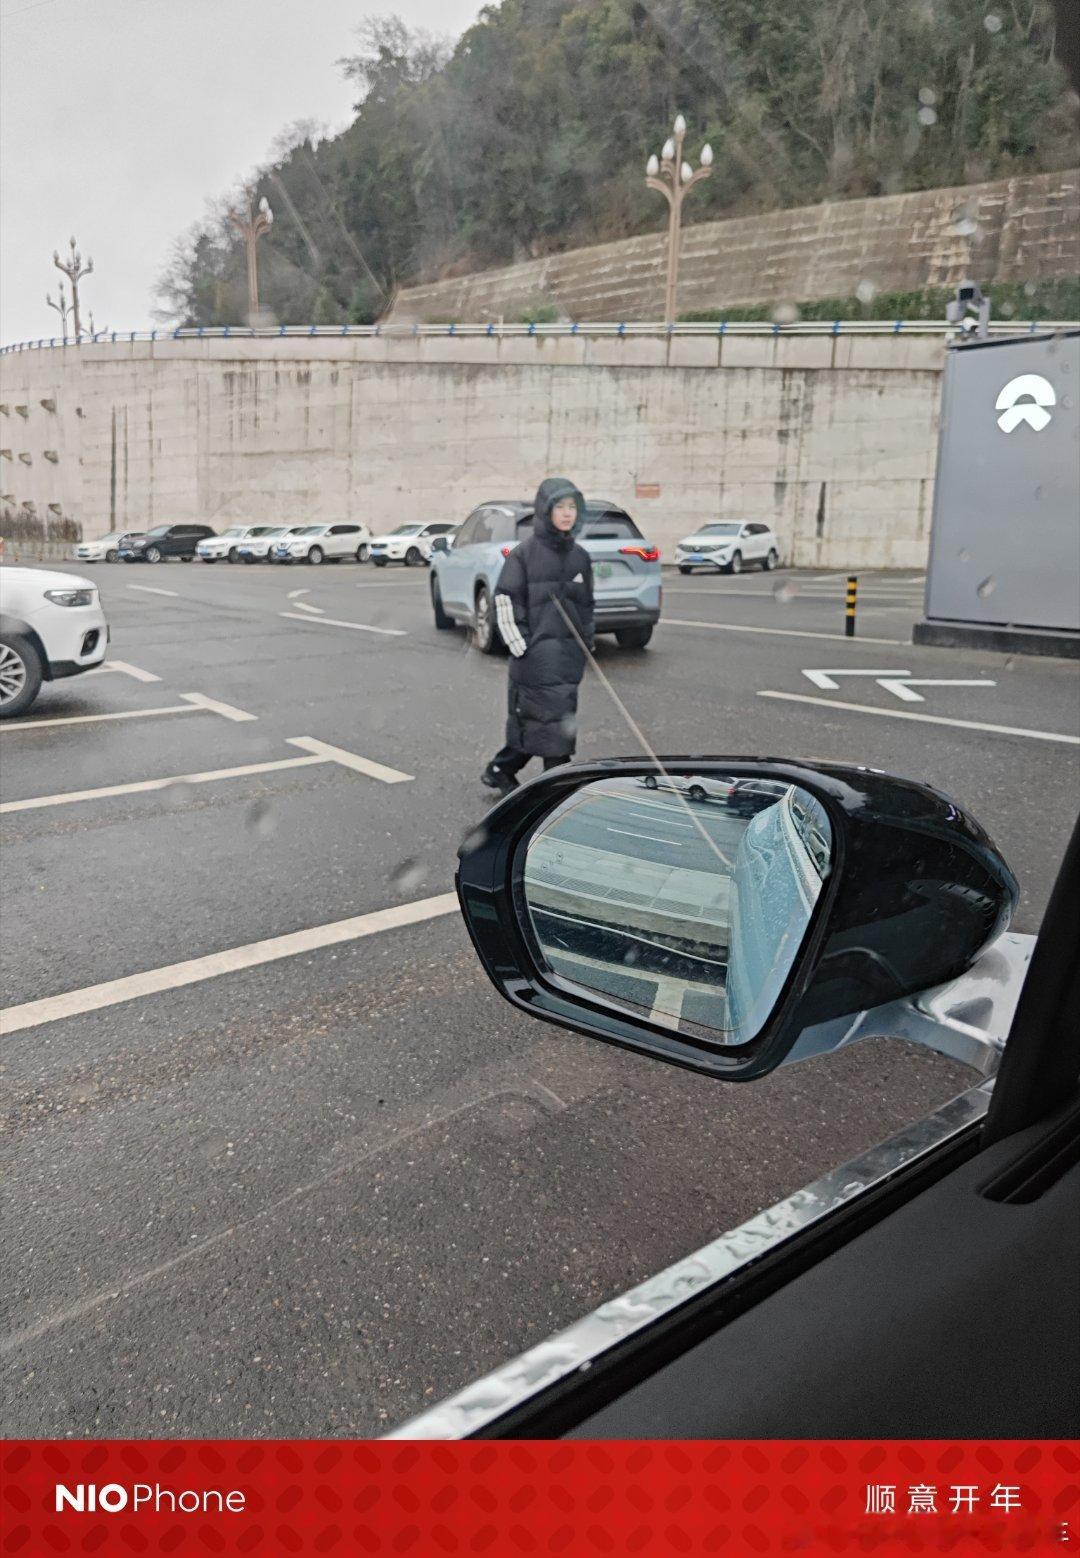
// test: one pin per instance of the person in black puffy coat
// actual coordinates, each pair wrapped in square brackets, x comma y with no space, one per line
[548,660]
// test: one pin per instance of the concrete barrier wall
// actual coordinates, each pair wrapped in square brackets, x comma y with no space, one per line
[1020,229]
[832,439]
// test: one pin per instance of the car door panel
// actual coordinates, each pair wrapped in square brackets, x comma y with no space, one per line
[900,1333]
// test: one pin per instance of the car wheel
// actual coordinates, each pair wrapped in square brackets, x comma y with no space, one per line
[20,674]
[633,638]
[211,559]
[111,555]
[442,621]
[363,552]
[771,561]
[316,555]
[485,633]
[233,555]
[413,557]
[685,568]
[380,562]
[696,793]
[153,555]
[735,565]
[189,559]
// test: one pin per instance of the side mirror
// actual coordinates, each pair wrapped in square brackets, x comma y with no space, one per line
[440,544]
[722,914]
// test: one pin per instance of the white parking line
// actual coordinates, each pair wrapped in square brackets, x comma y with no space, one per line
[125,669]
[193,701]
[740,627]
[294,594]
[75,1003]
[149,589]
[139,786]
[362,765]
[926,719]
[226,710]
[319,752]
[334,622]
[305,606]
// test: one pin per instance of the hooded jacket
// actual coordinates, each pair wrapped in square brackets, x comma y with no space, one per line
[545,572]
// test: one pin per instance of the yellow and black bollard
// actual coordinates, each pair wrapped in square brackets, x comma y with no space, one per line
[849,609]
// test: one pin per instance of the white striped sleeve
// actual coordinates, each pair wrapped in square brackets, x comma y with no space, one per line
[511,633]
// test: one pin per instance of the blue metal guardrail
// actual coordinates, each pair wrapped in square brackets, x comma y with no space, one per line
[627,329]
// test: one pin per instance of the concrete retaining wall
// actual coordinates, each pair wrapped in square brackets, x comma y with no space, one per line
[832,439]
[1020,229]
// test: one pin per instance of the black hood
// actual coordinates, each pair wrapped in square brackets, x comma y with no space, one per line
[547,495]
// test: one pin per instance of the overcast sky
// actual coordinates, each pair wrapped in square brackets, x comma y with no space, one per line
[121,117]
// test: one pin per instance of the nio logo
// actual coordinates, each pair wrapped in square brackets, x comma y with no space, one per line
[110,1498]
[1015,408]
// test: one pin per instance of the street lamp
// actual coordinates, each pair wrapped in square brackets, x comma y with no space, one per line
[253,224]
[674,177]
[63,308]
[74,269]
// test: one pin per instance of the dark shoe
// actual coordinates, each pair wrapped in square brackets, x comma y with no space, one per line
[498,779]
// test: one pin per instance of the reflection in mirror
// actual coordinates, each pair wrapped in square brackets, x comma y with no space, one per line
[684,899]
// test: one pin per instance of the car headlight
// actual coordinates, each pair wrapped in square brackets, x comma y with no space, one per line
[70,597]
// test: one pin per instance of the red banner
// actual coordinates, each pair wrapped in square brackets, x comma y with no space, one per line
[575,1498]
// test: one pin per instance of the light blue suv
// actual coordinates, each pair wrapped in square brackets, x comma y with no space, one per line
[626,571]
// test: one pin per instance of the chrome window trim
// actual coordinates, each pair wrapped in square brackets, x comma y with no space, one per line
[576,1348]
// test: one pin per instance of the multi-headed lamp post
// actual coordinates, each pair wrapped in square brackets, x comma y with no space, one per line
[253,223]
[74,269]
[675,178]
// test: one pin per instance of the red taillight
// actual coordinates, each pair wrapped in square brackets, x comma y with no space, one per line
[507,550]
[648,554]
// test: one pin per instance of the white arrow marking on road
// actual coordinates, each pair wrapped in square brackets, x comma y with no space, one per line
[294,593]
[824,679]
[902,690]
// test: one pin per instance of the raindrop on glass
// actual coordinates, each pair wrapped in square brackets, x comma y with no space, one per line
[407,874]
[179,794]
[783,593]
[476,838]
[992,22]
[964,555]
[927,96]
[987,587]
[259,819]
[927,116]
[866,291]
[965,227]
[785,314]
[1010,664]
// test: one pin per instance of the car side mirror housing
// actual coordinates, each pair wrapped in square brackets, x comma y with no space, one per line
[709,912]
[440,544]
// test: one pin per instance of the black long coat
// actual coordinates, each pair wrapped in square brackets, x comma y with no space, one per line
[548,660]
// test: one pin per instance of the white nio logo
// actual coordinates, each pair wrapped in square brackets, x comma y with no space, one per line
[1032,411]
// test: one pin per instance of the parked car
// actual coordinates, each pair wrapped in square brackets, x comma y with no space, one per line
[626,571]
[257,549]
[227,544]
[927,1289]
[323,544]
[163,542]
[729,545]
[408,544]
[104,549]
[51,626]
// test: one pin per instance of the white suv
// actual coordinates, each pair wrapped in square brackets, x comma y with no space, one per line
[226,545]
[729,544]
[51,625]
[323,543]
[408,544]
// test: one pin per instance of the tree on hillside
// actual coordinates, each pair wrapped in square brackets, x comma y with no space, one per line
[530,135]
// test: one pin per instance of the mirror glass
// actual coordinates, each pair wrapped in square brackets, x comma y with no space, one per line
[680,898]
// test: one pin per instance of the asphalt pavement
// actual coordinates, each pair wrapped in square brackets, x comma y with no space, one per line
[277,1160]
